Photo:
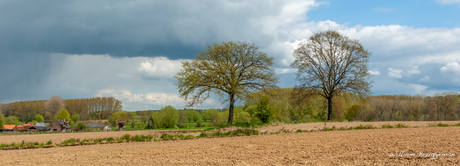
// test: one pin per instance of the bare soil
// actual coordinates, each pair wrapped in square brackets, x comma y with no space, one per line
[350,147]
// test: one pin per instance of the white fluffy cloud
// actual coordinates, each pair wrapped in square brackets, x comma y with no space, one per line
[424,79]
[160,67]
[414,70]
[451,67]
[394,73]
[419,89]
[374,72]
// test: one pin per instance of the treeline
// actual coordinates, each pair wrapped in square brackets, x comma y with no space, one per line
[88,108]
[348,106]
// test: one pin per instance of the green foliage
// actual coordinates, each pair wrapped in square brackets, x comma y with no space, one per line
[387,126]
[264,111]
[63,114]
[351,112]
[157,118]
[170,116]
[252,109]
[34,122]
[196,116]
[126,137]
[182,117]
[239,132]
[39,118]
[229,69]
[242,117]
[401,125]
[118,117]
[75,118]
[81,126]
[220,119]
[192,115]
[438,125]
[150,123]
[1,121]
[209,114]
[11,120]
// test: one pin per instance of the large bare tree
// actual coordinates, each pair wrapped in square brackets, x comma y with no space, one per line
[229,69]
[329,63]
[53,105]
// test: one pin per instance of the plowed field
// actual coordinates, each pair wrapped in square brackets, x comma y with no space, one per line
[350,147]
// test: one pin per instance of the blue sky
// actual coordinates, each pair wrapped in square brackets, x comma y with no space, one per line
[415,13]
[131,49]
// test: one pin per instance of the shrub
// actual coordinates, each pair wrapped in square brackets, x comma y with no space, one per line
[242,117]
[351,112]
[400,125]
[264,111]
[438,125]
[126,137]
[387,126]
[364,127]
[220,120]
[182,125]
[110,139]
[81,126]
[198,124]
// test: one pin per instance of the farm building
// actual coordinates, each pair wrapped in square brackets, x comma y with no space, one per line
[57,126]
[95,125]
[42,124]
[22,128]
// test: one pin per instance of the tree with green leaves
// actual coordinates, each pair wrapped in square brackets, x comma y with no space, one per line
[229,69]
[264,111]
[1,121]
[63,114]
[11,120]
[330,63]
[209,114]
[119,116]
[39,118]
[75,118]
[170,116]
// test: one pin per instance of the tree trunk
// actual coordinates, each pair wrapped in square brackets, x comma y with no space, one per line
[230,109]
[329,108]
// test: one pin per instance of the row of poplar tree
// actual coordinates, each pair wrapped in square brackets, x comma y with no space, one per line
[87,108]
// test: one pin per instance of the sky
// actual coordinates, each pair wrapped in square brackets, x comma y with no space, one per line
[131,50]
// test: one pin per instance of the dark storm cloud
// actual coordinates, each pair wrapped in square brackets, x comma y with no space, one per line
[177,29]
[21,75]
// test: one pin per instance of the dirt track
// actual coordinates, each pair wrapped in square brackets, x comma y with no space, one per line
[351,147]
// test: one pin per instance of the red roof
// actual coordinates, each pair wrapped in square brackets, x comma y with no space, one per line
[12,126]
[8,127]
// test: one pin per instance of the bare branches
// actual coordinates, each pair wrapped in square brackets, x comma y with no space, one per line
[331,63]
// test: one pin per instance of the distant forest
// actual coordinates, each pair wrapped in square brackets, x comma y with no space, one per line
[89,108]
[348,106]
